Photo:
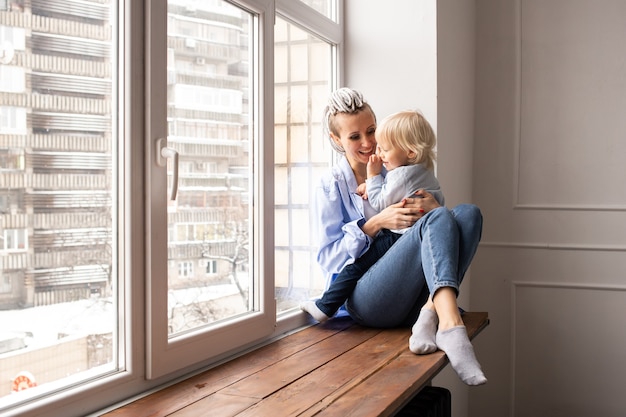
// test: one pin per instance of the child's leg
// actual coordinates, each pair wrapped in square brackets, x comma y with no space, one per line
[344,283]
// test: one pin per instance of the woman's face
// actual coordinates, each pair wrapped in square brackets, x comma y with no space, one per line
[356,136]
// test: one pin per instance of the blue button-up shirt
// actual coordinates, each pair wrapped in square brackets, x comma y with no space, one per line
[338,213]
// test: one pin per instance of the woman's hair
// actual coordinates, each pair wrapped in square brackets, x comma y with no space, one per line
[410,131]
[343,100]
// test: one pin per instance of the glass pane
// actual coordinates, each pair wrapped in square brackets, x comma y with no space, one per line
[209,124]
[303,68]
[326,7]
[58,196]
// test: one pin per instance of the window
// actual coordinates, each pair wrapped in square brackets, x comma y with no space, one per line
[12,39]
[6,286]
[211,267]
[11,159]
[14,240]
[139,235]
[13,120]
[12,79]
[326,7]
[303,80]
[58,147]
[185,269]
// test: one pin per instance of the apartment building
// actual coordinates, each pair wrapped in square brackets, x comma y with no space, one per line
[58,148]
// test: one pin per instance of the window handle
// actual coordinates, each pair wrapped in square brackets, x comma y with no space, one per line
[163,153]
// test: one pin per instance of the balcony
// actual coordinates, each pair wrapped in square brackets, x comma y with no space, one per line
[70,122]
[49,44]
[67,8]
[58,83]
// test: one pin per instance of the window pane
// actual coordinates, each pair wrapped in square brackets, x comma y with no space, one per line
[58,196]
[303,81]
[326,7]
[209,125]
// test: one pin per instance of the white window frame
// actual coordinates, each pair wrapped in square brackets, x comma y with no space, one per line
[167,354]
[142,323]
[305,17]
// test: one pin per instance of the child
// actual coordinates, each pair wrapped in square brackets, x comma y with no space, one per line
[405,148]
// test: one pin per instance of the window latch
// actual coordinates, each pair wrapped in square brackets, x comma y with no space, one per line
[163,153]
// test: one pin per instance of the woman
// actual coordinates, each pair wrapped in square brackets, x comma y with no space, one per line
[431,258]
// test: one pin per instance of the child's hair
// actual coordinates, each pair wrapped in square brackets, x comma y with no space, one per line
[410,131]
[342,100]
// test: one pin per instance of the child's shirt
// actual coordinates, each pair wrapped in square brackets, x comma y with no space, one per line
[399,183]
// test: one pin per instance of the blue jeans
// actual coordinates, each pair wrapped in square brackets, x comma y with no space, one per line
[344,283]
[436,252]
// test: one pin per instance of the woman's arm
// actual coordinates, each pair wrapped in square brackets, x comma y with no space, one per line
[401,215]
[342,232]
[337,225]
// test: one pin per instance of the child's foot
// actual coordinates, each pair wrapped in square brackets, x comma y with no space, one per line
[422,340]
[455,343]
[311,308]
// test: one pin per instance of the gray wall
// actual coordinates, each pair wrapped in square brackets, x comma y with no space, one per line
[549,174]
[529,105]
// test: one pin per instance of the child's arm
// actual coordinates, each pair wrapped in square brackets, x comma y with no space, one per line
[362,191]
[374,166]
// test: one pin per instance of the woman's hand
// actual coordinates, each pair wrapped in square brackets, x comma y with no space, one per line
[423,202]
[403,214]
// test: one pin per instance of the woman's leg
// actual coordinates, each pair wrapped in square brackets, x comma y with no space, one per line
[440,255]
[469,220]
[392,288]
[445,233]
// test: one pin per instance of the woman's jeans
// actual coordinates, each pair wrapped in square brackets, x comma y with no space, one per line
[343,284]
[436,252]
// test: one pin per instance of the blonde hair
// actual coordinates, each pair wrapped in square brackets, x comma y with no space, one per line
[410,131]
[342,100]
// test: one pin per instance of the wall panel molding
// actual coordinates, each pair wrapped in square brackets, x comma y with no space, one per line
[537,310]
[582,77]
[554,246]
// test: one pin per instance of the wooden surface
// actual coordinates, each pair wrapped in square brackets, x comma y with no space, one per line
[332,369]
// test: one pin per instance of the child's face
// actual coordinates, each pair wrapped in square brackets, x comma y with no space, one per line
[391,156]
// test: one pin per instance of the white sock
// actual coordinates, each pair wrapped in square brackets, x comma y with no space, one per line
[455,343]
[311,308]
[422,340]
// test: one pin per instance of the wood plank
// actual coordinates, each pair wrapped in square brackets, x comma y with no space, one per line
[175,397]
[387,390]
[217,405]
[475,322]
[282,373]
[336,376]
[394,385]
[335,368]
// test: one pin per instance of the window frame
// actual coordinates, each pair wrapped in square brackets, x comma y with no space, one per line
[167,354]
[139,298]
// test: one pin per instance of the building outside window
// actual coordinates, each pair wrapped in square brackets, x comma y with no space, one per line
[57,147]
[63,269]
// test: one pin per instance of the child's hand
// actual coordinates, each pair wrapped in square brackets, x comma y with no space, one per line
[362,191]
[374,166]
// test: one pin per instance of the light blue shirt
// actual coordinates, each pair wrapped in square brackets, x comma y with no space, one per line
[338,211]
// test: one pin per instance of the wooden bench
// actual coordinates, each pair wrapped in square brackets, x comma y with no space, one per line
[332,369]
